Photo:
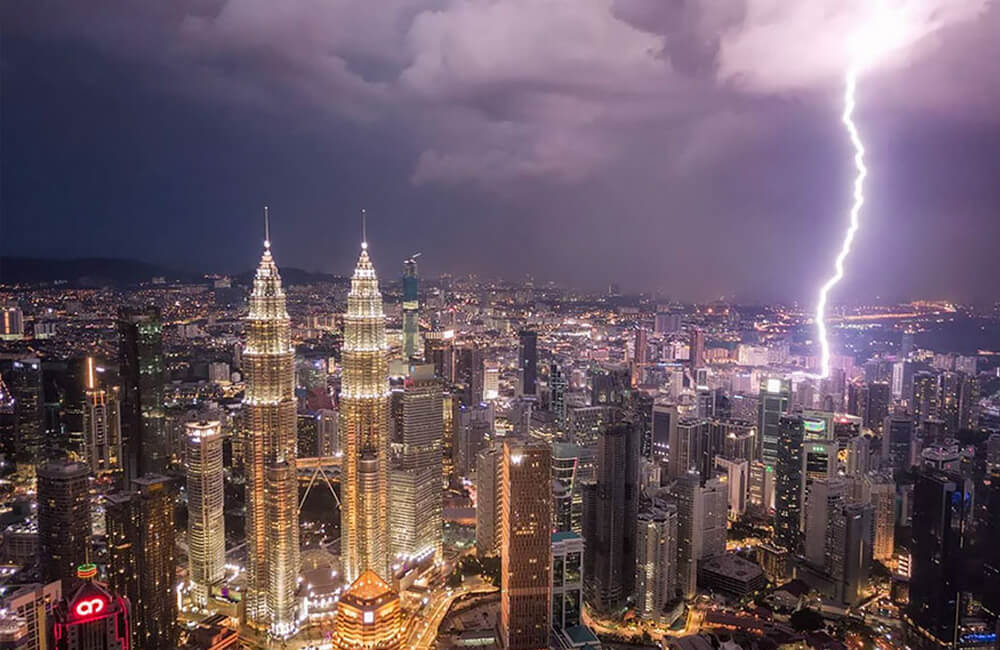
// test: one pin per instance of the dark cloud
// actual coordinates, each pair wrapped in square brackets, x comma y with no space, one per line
[625,139]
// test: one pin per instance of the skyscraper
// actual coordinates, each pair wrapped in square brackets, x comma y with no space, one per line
[701,525]
[23,378]
[526,547]
[610,511]
[850,551]
[656,560]
[788,484]
[697,349]
[924,402]
[411,310]
[101,425]
[415,488]
[488,501]
[942,519]
[898,442]
[64,526]
[775,396]
[206,508]
[364,412]
[271,484]
[142,559]
[142,374]
[91,617]
[527,363]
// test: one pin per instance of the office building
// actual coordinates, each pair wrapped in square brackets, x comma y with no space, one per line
[23,378]
[91,617]
[567,580]
[827,496]
[206,509]
[143,373]
[788,484]
[415,489]
[656,561]
[101,425]
[491,380]
[527,364]
[572,467]
[11,323]
[880,492]
[665,419]
[34,604]
[697,348]
[761,491]
[142,559]
[942,519]
[851,551]
[701,525]
[924,400]
[64,526]
[685,445]
[473,427]
[737,483]
[369,616]
[558,385]
[525,547]
[488,501]
[411,310]
[611,508]
[898,443]
[775,397]
[272,524]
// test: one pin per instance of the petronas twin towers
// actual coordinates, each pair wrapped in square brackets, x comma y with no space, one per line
[272,485]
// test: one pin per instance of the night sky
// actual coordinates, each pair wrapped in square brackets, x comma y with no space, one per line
[691,148]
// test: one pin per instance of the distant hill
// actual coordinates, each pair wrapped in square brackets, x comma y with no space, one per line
[103,272]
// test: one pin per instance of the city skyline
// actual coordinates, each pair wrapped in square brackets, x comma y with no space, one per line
[593,157]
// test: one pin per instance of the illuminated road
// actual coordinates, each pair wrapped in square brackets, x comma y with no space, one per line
[426,631]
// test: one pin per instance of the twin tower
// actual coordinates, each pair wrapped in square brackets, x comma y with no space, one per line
[272,483]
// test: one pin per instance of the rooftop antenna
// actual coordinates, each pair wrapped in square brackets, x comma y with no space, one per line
[364,229]
[267,229]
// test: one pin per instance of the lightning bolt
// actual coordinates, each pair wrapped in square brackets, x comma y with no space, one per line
[847,117]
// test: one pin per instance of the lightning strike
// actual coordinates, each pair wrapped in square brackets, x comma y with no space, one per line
[881,34]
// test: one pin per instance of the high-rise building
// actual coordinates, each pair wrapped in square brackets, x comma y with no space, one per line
[11,323]
[473,429]
[411,310]
[91,617]
[876,405]
[415,488]
[491,380]
[684,446]
[8,422]
[942,520]
[488,501]
[788,484]
[640,357]
[850,551]
[142,559]
[697,348]
[527,363]
[364,402]
[142,372]
[526,547]
[572,466]
[775,397]
[924,402]
[23,377]
[827,496]
[610,511]
[898,440]
[369,615]
[656,560]
[64,526]
[101,425]
[34,603]
[269,405]
[206,509]
[664,424]
[567,580]
[701,525]
[738,483]
[558,386]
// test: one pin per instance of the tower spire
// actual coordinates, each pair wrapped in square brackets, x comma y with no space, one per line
[364,229]
[267,228]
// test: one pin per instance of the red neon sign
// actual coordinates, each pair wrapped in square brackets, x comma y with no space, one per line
[89,607]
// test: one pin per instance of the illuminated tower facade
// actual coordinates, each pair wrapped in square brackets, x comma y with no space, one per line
[411,310]
[206,514]
[364,412]
[101,425]
[271,488]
